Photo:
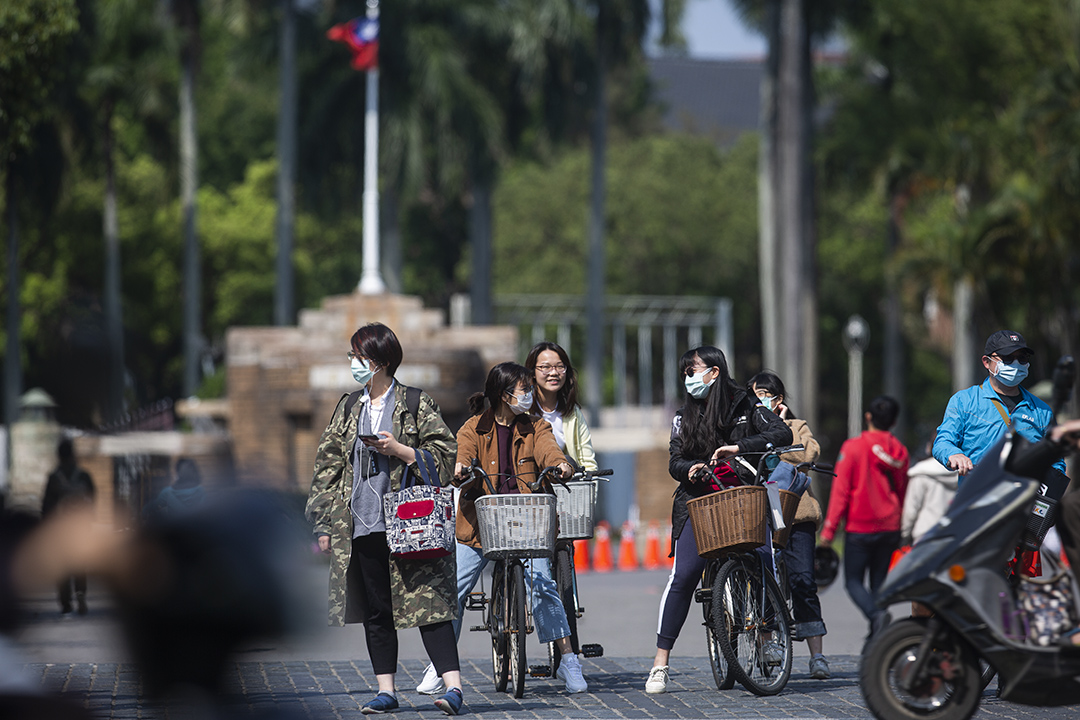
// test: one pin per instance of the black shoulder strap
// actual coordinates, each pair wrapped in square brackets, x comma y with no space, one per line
[351,400]
[412,401]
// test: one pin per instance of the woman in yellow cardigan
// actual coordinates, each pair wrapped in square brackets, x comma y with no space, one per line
[556,401]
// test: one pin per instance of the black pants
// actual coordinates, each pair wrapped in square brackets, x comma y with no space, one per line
[799,558]
[369,578]
[64,590]
[867,554]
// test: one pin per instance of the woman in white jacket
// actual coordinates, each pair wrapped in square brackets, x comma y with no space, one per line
[931,487]
[556,401]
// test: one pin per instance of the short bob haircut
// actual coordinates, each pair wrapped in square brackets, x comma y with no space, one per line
[378,343]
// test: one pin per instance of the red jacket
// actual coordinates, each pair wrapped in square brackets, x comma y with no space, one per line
[868,491]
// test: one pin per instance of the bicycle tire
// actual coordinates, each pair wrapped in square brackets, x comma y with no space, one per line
[566,580]
[497,627]
[516,625]
[722,675]
[749,613]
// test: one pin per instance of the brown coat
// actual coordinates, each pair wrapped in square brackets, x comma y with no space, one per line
[809,509]
[534,448]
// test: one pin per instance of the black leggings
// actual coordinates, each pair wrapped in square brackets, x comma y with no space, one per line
[369,574]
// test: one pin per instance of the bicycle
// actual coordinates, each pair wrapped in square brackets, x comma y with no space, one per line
[512,528]
[747,615]
[576,505]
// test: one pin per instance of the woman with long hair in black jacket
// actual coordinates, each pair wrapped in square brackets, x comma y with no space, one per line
[717,420]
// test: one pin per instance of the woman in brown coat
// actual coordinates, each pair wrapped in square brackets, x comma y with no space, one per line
[512,447]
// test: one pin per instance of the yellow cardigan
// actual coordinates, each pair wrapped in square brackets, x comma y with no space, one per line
[579,439]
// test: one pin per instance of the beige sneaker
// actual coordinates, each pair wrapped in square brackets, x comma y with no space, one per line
[657,682]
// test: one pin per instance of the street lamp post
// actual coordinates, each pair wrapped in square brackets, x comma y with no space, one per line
[856,339]
[371,282]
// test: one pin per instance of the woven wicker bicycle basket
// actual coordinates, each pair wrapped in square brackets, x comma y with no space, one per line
[516,525]
[733,520]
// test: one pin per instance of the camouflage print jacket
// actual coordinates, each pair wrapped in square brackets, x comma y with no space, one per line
[422,591]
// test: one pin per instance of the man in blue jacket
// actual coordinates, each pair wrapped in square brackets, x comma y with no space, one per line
[977,417]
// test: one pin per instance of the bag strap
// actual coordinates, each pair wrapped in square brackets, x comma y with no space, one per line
[425,468]
[1001,411]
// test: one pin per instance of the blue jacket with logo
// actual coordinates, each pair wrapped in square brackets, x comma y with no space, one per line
[973,424]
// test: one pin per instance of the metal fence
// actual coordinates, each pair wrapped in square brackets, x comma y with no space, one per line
[644,335]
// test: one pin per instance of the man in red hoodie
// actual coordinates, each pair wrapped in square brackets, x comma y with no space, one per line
[868,497]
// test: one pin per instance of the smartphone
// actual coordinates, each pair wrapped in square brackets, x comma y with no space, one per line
[371,438]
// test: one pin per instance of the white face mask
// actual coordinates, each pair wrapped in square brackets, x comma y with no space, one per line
[523,402]
[696,385]
[361,372]
[768,401]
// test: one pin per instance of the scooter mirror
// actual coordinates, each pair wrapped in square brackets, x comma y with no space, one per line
[1063,379]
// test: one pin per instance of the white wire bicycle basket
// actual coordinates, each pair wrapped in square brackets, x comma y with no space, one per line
[577,509]
[516,525]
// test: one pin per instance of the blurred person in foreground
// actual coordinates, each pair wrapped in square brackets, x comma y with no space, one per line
[190,591]
[68,486]
[868,497]
[364,453]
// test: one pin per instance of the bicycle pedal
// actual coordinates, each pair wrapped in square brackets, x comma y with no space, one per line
[592,650]
[475,601]
[478,628]
[703,595]
[540,670]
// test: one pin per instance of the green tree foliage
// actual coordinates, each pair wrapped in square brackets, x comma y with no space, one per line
[33,36]
[681,219]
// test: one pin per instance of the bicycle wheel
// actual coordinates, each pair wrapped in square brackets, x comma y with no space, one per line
[722,675]
[752,624]
[516,626]
[497,627]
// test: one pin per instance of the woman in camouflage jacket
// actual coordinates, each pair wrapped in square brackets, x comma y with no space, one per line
[353,470]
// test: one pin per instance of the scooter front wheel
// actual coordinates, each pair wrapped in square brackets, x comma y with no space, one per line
[900,685]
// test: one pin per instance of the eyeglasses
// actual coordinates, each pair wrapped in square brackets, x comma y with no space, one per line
[695,369]
[561,369]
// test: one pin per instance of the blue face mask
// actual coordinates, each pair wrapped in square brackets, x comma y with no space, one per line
[1011,374]
[696,385]
[361,372]
[768,401]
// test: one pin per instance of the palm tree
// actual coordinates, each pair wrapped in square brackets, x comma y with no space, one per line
[125,68]
[186,14]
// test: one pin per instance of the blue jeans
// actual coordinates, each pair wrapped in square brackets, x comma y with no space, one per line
[867,554]
[799,558]
[548,612]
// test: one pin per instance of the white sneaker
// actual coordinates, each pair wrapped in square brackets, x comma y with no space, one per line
[570,671]
[657,682]
[432,684]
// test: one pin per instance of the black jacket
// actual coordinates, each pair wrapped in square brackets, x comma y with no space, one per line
[748,425]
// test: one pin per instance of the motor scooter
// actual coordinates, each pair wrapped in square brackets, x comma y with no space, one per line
[929,668]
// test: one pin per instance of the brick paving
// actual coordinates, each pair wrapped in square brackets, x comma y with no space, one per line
[337,689]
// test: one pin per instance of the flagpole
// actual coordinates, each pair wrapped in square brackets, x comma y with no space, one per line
[371,282]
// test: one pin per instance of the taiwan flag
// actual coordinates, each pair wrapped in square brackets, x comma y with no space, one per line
[362,37]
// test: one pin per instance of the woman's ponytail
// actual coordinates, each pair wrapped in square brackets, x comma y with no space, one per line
[476,403]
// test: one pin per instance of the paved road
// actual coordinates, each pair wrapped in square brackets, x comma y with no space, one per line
[325,672]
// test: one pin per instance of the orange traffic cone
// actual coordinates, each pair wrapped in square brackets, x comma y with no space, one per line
[581,556]
[602,550]
[666,558]
[628,548]
[652,559]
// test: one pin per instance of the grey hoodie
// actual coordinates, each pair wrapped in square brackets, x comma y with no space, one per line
[930,490]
